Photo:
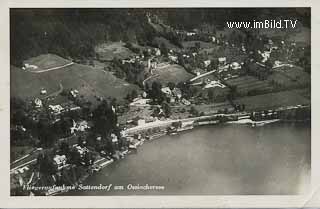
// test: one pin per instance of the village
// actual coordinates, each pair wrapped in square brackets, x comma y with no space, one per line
[210,80]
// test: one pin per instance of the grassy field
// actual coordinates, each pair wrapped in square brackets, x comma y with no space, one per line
[290,77]
[109,51]
[90,82]
[161,40]
[47,61]
[171,73]
[248,83]
[203,45]
[273,100]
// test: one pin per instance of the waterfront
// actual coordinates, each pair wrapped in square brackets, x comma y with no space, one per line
[215,160]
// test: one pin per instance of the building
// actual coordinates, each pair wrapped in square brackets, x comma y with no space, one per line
[167,91]
[38,103]
[56,109]
[29,67]
[173,58]
[176,92]
[60,161]
[157,52]
[114,138]
[222,60]
[235,66]
[185,102]
[140,101]
[80,126]
[207,63]
[74,93]
[43,91]
[191,33]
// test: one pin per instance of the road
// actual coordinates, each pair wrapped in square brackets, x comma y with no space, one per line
[54,94]
[53,68]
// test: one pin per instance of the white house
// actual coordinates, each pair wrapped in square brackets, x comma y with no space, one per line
[56,108]
[166,90]
[207,63]
[222,60]
[38,103]
[173,58]
[235,66]
[157,52]
[114,138]
[60,161]
[43,91]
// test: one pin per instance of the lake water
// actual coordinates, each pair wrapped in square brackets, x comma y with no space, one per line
[215,160]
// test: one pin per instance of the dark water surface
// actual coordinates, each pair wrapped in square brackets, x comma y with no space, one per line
[215,160]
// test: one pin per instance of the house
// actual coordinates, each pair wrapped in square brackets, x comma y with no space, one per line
[185,102]
[157,52]
[38,103]
[173,58]
[139,121]
[74,93]
[56,109]
[213,84]
[60,161]
[222,60]
[167,91]
[152,64]
[80,126]
[81,150]
[140,101]
[213,39]
[235,66]
[176,92]
[144,94]
[28,66]
[114,138]
[207,63]
[43,91]
[191,33]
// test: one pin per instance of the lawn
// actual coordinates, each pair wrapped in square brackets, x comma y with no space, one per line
[46,61]
[109,51]
[161,40]
[245,84]
[203,45]
[90,82]
[290,77]
[171,73]
[273,100]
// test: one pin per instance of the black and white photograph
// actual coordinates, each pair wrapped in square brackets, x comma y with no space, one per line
[160,101]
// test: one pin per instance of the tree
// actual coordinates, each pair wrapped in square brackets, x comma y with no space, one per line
[166,109]
[171,85]
[105,118]
[163,49]
[46,164]
[211,95]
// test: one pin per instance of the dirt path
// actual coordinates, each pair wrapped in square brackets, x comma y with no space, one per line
[54,68]
[55,93]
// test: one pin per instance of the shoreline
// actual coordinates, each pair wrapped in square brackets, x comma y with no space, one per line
[123,154]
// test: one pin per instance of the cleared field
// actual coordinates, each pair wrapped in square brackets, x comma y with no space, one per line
[213,108]
[203,45]
[109,51]
[273,100]
[90,82]
[246,84]
[290,77]
[171,73]
[46,61]
[160,40]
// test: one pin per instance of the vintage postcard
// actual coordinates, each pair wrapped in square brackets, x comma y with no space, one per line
[157,102]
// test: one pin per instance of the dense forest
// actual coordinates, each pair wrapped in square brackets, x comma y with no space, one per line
[74,32]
